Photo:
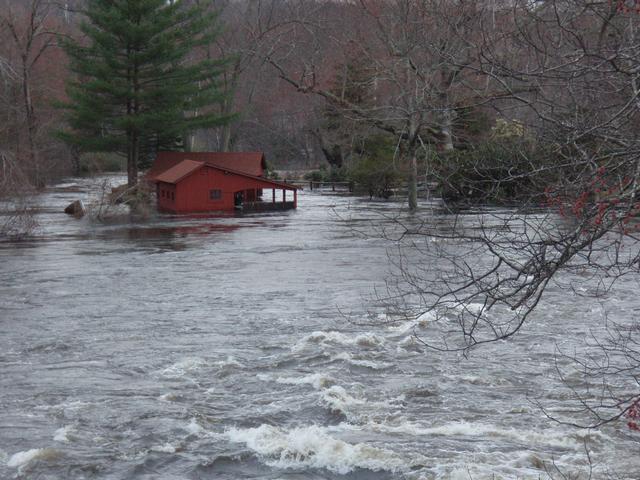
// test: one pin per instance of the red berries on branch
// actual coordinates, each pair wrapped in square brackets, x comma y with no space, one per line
[633,416]
[599,203]
[627,6]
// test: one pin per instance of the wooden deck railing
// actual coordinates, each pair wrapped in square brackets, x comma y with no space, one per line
[313,185]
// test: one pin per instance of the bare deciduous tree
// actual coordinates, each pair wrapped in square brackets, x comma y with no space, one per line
[570,71]
[30,30]
[417,52]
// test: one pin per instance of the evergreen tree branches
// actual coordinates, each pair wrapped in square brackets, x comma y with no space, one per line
[142,80]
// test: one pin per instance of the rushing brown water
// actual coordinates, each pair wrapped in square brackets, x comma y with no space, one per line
[213,347]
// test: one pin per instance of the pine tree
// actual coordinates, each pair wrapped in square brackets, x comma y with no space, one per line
[138,88]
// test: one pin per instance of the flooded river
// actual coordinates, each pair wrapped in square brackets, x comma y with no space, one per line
[215,348]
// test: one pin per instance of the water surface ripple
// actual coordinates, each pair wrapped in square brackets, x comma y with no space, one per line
[204,347]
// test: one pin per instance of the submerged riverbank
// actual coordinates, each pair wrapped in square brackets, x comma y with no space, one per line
[214,347]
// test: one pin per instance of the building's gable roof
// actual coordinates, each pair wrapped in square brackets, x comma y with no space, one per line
[273,183]
[251,163]
[179,171]
[187,167]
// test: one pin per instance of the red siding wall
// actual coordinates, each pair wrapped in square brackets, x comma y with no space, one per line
[192,192]
[166,196]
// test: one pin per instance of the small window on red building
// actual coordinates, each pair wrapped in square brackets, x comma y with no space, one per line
[173,195]
[215,194]
[161,193]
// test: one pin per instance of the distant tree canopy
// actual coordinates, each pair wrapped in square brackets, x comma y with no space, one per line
[340,131]
[139,85]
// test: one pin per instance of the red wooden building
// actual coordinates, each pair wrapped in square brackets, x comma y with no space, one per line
[206,181]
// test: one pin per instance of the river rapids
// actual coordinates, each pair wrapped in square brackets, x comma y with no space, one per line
[225,348]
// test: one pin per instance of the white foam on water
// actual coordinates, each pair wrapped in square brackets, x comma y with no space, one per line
[347,357]
[190,366]
[166,448]
[338,400]
[472,308]
[354,409]
[67,185]
[194,428]
[62,434]
[316,380]
[477,379]
[22,459]
[519,409]
[472,471]
[314,447]
[183,367]
[421,322]
[169,397]
[367,340]
[371,364]
[553,438]
[75,405]
[521,465]
[229,362]
[408,342]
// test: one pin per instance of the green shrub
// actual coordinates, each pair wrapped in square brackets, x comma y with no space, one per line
[314,176]
[324,174]
[376,176]
[373,170]
[500,170]
[336,174]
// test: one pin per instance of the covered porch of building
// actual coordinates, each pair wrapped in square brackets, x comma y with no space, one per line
[278,197]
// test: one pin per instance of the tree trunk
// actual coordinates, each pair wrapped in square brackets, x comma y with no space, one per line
[332,152]
[133,155]
[189,142]
[132,170]
[333,155]
[447,127]
[75,161]
[229,103]
[413,182]
[226,138]
[34,166]
[134,138]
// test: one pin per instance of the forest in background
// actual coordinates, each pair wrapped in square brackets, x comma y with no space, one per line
[491,100]
[364,88]
[34,68]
